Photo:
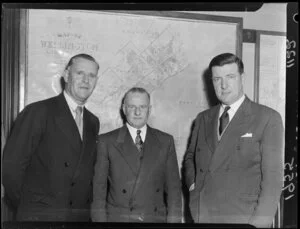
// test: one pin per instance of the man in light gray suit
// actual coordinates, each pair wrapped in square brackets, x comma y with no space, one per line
[234,163]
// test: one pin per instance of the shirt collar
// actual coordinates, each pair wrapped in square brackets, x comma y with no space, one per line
[132,131]
[233,107]
[71,103]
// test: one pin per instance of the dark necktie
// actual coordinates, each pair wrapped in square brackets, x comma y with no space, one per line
[139,141]
[224,120]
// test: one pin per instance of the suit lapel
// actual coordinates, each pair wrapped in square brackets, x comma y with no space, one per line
[151,154]
[238,125]
[67,124]
[211,128]
[89,141]
[126,148]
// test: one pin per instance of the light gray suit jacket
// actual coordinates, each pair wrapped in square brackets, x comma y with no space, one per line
[237,179]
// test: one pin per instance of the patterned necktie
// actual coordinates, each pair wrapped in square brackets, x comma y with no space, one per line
[78,119]
[224,120]
[139,141]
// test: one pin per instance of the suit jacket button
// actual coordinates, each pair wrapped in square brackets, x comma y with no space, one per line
[131,209]
[72,184]
[124,191]
[201,170]
[157,190]
[67,164]
[71,203]
[155,209]
[88,200]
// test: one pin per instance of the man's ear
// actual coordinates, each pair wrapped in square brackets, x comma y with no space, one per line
[243,75]
[150,109]
[66,75]
[123,108]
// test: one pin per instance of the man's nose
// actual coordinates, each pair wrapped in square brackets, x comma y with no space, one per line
[137,110]
[85,78]
[224,83]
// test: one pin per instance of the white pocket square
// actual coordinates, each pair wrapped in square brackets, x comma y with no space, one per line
[247,135]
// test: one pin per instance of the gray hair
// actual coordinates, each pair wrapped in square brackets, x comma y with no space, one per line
[138,90]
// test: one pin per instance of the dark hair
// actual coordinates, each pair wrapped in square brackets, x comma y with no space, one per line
[81,55]
[226,58]
[138,90]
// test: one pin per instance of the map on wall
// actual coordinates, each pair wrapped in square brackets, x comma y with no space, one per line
[165,55]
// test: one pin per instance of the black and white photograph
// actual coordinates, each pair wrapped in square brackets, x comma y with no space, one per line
[171,115]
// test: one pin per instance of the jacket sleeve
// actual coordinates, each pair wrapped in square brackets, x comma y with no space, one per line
[98,206]
[173,186]
[272,150]
[189,167]
[22,143]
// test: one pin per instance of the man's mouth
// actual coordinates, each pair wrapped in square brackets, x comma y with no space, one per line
[225,93]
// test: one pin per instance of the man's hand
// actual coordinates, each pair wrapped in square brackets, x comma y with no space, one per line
[192,187]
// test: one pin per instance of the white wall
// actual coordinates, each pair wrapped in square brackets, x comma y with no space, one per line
[271,17]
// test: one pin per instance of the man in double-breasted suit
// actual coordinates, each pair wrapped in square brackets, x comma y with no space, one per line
[136,174]
[49,156]
[234,163]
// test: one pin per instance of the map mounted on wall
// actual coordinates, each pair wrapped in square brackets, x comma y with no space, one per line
[167,54]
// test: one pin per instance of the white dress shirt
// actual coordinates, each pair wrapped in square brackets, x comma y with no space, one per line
[231,112]
[133,133]
[73,105]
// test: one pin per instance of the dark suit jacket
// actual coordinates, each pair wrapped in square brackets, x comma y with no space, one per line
[47,168]
[238,179]
[127,192]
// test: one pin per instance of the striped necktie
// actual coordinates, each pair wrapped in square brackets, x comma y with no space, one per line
[139,141]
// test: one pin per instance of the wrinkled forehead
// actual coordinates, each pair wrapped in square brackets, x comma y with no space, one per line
[80,61]
[137,97]
[225,69]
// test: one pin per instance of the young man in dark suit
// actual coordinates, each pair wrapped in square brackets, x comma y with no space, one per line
[136,174]
[234,163]
[49,156]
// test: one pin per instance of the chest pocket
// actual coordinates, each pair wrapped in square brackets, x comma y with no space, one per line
[246,153]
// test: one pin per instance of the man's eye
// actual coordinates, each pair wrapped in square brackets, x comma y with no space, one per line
[92,76]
